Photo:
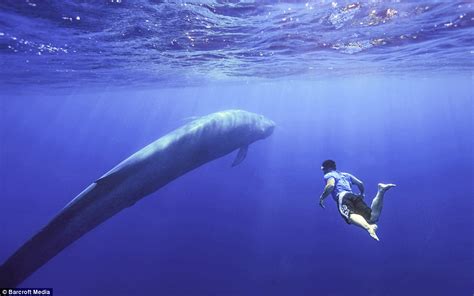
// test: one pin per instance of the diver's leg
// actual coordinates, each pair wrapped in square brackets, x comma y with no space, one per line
[377,202]
[361,222]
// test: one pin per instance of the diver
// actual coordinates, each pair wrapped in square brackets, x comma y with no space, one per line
[351,206]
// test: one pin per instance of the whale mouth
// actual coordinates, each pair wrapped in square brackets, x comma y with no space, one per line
[270,127]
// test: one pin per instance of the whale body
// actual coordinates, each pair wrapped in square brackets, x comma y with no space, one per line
[144,172]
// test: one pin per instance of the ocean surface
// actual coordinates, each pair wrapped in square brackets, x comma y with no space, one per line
[385,88]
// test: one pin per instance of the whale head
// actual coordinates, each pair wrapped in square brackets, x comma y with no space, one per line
[250,126]
[265,126]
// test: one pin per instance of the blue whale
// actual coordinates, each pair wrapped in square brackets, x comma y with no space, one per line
[171,156]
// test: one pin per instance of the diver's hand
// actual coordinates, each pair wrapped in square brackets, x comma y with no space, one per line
[321,203]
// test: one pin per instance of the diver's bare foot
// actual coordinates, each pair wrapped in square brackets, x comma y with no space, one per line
[371,231]
[384,187]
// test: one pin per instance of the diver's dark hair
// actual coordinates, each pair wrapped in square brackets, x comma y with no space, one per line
[329,164]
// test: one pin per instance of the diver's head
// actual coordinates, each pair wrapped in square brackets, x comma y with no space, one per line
[328,165]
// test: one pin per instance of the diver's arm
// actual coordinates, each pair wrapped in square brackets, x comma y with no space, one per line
[327,190]
[359,185]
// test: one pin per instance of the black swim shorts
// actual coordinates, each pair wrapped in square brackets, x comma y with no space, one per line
[349,203]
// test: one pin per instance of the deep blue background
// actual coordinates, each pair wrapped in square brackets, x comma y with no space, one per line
[255,229]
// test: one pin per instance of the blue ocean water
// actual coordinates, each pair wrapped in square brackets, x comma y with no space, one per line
[383,87]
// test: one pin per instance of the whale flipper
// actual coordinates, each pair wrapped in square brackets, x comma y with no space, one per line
[240,155]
